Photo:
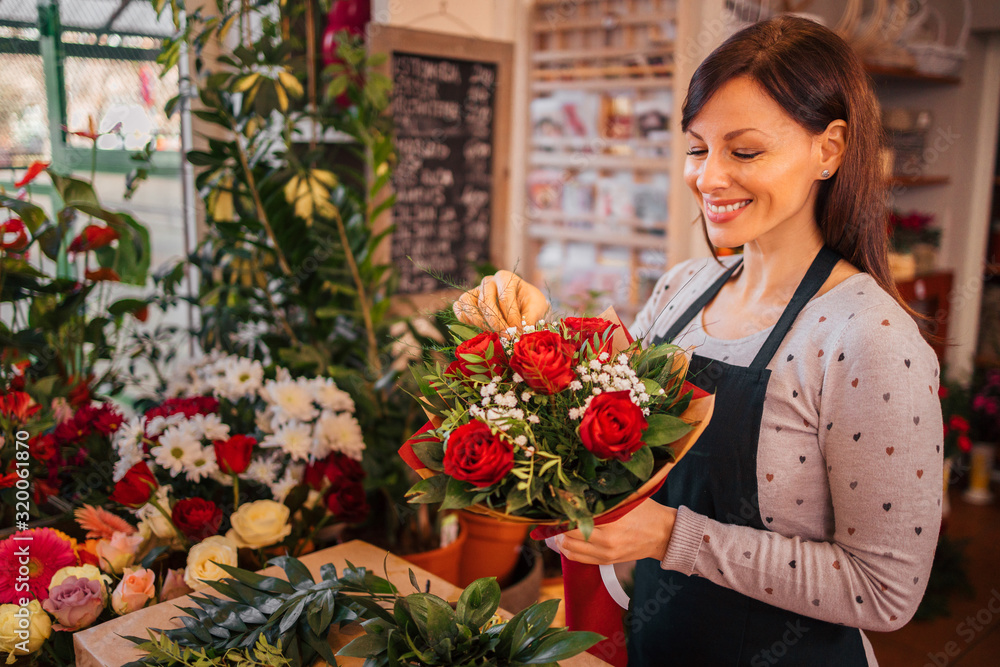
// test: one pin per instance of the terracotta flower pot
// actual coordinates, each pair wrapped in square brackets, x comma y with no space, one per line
[492,548]
[444,562]
[526,582]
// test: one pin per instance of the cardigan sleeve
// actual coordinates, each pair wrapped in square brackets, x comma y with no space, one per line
[880,433]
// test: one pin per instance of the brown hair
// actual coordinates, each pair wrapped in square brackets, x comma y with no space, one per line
[816,77]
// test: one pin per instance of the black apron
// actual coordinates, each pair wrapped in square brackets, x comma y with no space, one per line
[682,620]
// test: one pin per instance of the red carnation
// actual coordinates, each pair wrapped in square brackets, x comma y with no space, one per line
[487,346]
[613,425]
[583,329]
[346,500]
[13,235]
[545,360]
[474,454]
[106,419]
[334,467]
[233,455]
[136,487]
[189,407]
[196,518]
[93,237]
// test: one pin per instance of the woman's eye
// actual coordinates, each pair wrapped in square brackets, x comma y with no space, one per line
[746,156]
[696,151]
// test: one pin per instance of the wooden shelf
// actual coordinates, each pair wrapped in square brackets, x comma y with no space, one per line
[609,21]
[585,73]
[918,181]
[637,83]
[581,161]
[597,237]
[593,218]
[661,48]
[883,72]
[598,143]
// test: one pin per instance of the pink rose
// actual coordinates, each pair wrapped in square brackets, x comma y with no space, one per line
[119,552]
[137,587]
[75,603]
[173,585]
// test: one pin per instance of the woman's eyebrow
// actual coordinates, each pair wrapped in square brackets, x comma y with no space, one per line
[728,135]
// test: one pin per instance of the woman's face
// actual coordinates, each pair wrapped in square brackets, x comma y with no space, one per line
[752,168]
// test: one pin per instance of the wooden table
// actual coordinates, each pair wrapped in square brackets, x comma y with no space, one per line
[103,646]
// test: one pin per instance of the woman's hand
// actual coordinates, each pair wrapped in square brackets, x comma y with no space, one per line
[642,533]
[501,301]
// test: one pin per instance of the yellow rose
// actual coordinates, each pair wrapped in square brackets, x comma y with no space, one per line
[202,559]
[259,524]
[23,630]
[82,572]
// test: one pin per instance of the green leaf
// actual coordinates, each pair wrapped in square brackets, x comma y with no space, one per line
[559,645]
[258,581]
[367,645]
[33,216]
[203,159]
[478,602]
[298,574]
[430,453]
[430,490]
[641,463]
[123,306]
[457,495]
[664,429]
[463,332]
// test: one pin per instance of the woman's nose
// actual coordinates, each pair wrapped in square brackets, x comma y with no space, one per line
[714,173]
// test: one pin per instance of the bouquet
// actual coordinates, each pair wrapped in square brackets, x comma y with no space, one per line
[260,461]
[564,424]
[557,424]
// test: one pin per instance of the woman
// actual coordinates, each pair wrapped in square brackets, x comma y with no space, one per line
[810,507]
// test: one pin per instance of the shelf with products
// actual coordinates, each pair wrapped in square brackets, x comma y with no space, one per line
[601,77]
[884,73]
[918,181]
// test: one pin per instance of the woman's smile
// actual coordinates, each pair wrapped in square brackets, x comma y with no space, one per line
[723,210]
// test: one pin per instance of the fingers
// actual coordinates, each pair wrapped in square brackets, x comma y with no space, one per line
[534,305]
[467,310]
[489,305]
[510,307]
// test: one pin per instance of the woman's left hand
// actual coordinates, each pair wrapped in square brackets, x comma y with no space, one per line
[642,533]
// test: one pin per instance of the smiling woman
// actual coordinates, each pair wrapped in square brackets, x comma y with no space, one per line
[809,508]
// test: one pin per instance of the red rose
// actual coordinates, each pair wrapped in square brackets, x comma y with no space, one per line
[233,455]
[583,330]
[136,487]
[347,501]
[474,454]
[334,467]
[196,518]
[612,426]
[495,359]
[545,360]
[43,447]
[958,423]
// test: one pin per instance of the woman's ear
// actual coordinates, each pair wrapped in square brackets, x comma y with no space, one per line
[832,142]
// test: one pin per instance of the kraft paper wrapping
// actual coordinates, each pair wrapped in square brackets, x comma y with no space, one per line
[103,646]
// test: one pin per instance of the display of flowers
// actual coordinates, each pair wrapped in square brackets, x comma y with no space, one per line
[909,229]
[65,590]
[955,411]
[558,421]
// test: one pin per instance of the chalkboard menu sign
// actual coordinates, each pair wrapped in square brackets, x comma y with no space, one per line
[448,107]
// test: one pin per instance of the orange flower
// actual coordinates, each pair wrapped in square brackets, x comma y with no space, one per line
[100,523]
[33,171]
[18,405]
[107,274]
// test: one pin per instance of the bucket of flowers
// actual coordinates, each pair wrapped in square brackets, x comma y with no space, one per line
[563,424]
[250,464]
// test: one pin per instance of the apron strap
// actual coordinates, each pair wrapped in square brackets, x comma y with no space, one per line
[699,303]
[817,274]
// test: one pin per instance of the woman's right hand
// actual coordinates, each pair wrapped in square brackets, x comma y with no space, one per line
[501,301]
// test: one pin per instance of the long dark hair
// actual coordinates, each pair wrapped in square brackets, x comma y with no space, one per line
[816,77]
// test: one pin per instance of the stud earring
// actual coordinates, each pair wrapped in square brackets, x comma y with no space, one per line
[825,174]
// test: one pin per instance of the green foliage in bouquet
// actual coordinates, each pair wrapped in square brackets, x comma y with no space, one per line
[423,629]
[549,424]
[289,269]
[294,616]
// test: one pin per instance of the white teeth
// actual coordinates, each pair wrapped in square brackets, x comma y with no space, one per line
[729,208]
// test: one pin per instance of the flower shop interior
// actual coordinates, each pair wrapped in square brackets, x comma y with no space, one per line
[230,235]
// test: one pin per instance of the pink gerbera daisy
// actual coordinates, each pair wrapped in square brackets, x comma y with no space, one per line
[100,523]
[47,551]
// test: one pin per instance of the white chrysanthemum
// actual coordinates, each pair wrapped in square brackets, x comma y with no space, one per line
[283,486]
[331,397]
[178,448]
[292,401]
[202,465]
[210,427]
[264,420]
[262,470]
[341,433]
[241,377]
[157,425]
[127,442]
[293,438]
